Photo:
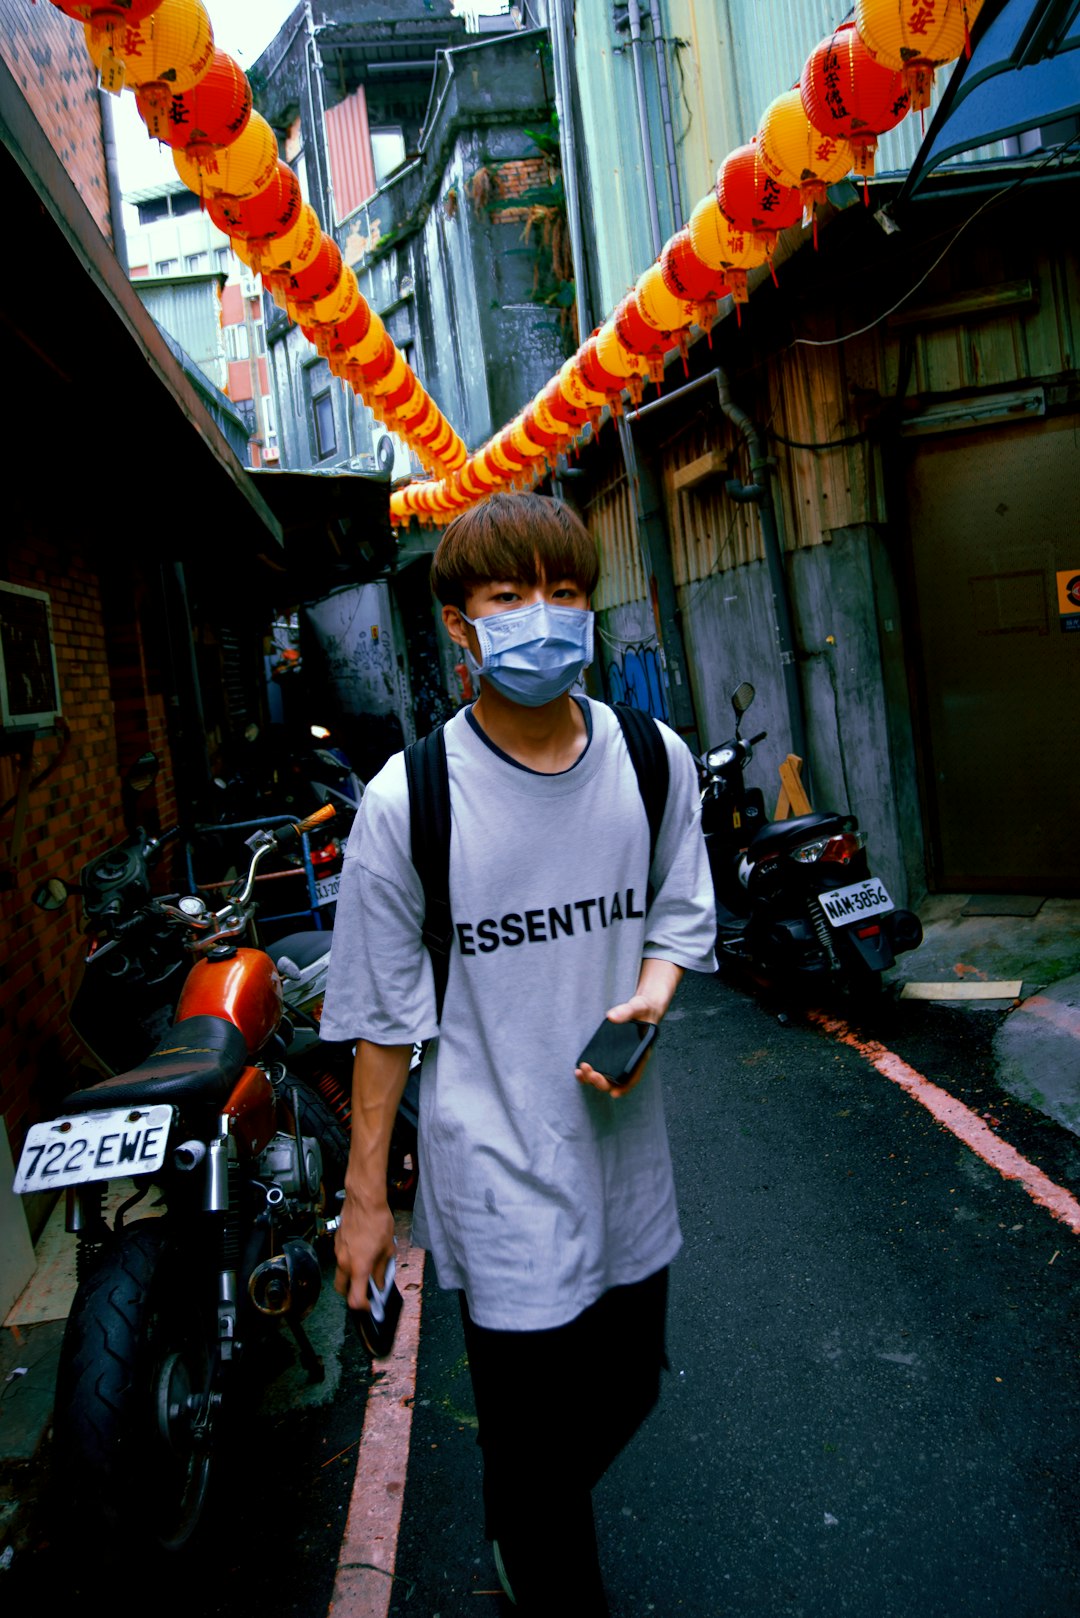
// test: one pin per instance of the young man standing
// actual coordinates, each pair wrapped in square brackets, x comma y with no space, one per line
[546,1194]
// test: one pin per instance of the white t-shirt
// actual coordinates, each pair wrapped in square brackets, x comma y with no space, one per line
[537,1194]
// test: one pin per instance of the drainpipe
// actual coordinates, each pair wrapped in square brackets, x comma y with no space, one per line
[112,172]
[760,493]
[318,125]
[564,106]
[662,80]
[634,11]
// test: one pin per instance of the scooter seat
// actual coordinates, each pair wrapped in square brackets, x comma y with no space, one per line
[781,835]
[304,949]
[198,1061]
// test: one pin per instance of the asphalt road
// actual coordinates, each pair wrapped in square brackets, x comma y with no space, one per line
[873,1406]
[872,1409]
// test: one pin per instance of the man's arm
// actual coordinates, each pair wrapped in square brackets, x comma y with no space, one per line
[657,982]
[364,1242]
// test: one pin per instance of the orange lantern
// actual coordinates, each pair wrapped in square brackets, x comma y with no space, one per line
[642,336]
[723,246]
[542,429]
[240,170]
[661,308]
[846,92]
[473,480]
[615,357]
[752,199]
[212,114]
[559,408]
[575,388]
[455,458]
[339,304]
[795,153]
[165,54]
[525,445]
[489,466]
[262,218]
[394,377]
[915,37]
[305,240]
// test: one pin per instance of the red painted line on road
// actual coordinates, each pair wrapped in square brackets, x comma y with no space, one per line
[369,1549]
[1066,1019]
[964,1124]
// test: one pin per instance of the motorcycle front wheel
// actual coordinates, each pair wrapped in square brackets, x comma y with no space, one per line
[133,1424]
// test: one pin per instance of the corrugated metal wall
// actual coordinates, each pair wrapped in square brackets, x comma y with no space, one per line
[348,141]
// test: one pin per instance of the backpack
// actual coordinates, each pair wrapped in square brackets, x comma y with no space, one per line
[429,808]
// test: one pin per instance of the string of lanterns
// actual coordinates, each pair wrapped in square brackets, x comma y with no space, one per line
[856,85]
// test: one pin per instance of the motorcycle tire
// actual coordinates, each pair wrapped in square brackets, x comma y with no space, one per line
[133,1421]
[319,1118]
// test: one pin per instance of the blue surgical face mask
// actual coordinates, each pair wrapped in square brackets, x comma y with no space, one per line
[533,654]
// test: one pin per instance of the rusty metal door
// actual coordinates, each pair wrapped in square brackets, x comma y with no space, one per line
[995,522]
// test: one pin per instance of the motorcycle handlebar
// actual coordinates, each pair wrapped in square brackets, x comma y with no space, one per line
[285,834]
[760,737]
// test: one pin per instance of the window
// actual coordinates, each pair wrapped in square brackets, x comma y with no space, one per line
[322,410]
[270,442]
[194,263]
[222,256]
[387,152]
[260,337]
[236,342]
[166,266]
[299,165]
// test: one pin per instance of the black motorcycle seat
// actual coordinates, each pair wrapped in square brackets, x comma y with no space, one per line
[780,835]
[198,1061]
[303,949]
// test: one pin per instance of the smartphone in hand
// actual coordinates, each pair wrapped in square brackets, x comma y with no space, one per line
[617,1048]
[377,1324]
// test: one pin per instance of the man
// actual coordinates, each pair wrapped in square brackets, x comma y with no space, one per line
[546,1194]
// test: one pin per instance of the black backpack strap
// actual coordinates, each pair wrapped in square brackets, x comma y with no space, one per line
[650,760]
[429,809]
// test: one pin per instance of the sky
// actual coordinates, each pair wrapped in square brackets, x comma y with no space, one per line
[243,28]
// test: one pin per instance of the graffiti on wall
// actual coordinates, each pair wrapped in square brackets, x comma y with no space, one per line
[635,676]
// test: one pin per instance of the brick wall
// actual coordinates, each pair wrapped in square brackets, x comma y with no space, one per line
[114,708]
[513,179]
[46,53]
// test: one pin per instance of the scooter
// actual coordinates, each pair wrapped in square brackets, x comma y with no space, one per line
[248,1163]
[796,899]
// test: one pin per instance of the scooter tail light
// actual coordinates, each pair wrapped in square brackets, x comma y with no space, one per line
[840,850]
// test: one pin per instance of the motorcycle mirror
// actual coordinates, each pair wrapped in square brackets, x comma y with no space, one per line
[53,894]
[742,698]
[143,773]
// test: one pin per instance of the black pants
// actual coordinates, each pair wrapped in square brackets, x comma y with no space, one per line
[555,1408]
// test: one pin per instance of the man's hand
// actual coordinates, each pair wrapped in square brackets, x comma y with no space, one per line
[657,983]
[363,1246]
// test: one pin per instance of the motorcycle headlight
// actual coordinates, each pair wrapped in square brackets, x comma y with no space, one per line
[718,757]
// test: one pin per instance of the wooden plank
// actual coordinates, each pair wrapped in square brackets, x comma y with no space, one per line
[792,799]
[1006,989]
[705,466]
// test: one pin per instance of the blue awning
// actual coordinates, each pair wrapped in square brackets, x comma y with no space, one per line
[1023,74]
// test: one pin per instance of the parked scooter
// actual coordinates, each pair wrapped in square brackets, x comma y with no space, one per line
[796,899]
[248,1162]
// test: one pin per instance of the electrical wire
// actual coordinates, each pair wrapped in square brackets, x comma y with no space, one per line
[834,342]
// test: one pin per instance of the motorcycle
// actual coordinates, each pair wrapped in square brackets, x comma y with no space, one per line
[247,1161]
[796,899]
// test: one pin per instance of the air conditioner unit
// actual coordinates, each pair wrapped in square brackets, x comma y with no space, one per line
[250,285]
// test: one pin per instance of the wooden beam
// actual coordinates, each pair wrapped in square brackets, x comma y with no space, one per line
[792,799]
[706,466]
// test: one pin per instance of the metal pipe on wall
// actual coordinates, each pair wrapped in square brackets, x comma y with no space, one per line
[760,493]
[564,106]
[660,49]
[634,12]
[112,174]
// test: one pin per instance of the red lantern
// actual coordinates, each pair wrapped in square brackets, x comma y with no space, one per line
[606,382]
[687,276]
[846,92]
[105,14]
[264,217]
[212,114]
[539,434]
[559,406]
[317,279]
[643,338]
[752,199]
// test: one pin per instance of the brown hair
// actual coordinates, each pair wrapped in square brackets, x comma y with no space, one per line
[521,537]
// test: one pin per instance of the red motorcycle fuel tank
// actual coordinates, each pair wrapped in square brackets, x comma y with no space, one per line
[244,988]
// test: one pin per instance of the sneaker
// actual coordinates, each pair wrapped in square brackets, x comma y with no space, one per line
[501,1571]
